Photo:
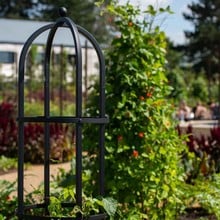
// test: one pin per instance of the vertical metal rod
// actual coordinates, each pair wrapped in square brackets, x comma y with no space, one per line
[47,131]
[101,105]
[20,169]
[21,68]
[21,134]
[102,127]
[101,159]
[78,59]
[62,72]
[78,125]
[79,165]
[67,21]
[86,72]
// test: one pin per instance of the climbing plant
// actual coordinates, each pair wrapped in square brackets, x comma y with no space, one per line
[143,150]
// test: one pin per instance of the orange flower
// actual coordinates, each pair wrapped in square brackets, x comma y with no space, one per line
[149,94]
[120,138]
[141,98]
[135,153]
[130,24]
[141,134]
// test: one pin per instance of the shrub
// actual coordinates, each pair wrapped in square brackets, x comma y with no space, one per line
[8,129]
[62,137]
[206,152]
[61,142]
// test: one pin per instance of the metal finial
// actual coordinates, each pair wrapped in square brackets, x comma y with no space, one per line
[62,11]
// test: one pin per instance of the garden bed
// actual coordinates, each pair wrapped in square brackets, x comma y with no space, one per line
[197,213]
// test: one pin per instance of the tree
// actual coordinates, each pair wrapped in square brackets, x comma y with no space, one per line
[186,84]
[84,13]
[204,41]
[175,73]
[18,9]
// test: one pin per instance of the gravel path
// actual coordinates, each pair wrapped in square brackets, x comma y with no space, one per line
[34,175]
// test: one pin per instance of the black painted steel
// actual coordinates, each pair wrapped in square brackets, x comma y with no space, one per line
[78,119]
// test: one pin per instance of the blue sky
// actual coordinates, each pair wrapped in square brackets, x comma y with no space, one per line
[173,25]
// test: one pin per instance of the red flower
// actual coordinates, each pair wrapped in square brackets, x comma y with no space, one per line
[141,98]
[141,134]
[135,153]
[149,94]
[120,138]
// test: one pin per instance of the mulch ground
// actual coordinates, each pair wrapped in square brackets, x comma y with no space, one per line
[197,213]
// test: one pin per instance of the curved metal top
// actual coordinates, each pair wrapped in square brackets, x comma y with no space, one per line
[66,22]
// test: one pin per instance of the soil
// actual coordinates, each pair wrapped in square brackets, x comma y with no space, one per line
[34,175]
[197,213]
[2,172]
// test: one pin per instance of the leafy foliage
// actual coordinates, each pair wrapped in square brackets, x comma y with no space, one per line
[8,129]
[204,194]
[91,206]
[186,84]
[7,202]
[62,147]
[206,152]
[17,9]
[7,163]
[142,147]
[61,142]
[203,48]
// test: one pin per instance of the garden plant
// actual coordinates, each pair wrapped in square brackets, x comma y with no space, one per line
[143,149]
[149,170]
[62,147]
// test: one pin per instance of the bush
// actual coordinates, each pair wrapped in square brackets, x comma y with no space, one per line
[206,151]
[61,142]
[8,129]
[62,137]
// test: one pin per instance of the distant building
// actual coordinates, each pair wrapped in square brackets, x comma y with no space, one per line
[14,33]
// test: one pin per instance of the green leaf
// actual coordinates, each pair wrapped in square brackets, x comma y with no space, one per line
[110,206]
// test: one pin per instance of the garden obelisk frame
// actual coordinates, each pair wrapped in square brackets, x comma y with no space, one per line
[23,210]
